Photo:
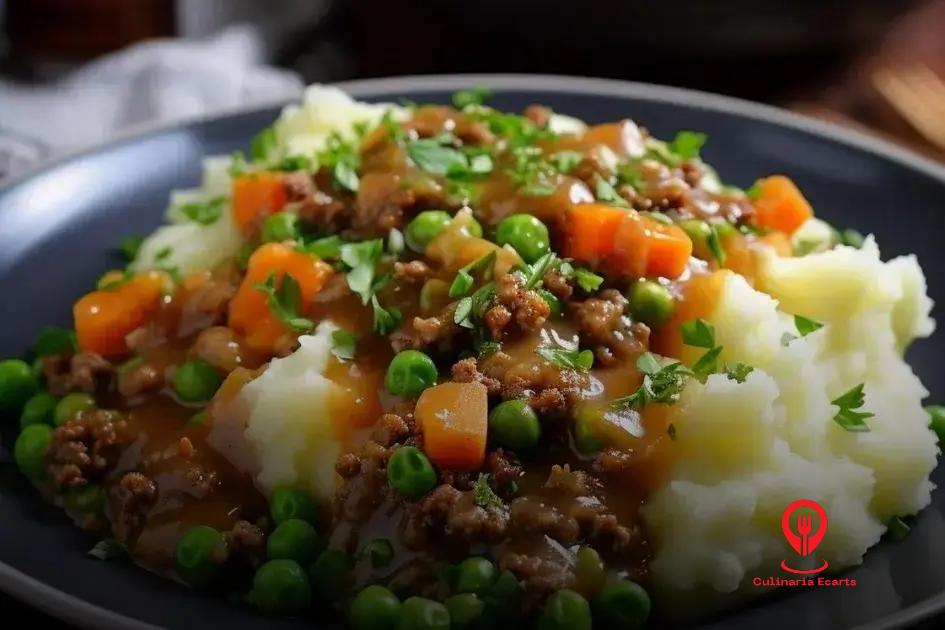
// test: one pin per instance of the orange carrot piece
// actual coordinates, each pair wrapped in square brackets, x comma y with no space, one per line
[591,231]
[454,418]
[104,318]
[646,247]
[256,196]
[781,205]
[780,242]
[250,314]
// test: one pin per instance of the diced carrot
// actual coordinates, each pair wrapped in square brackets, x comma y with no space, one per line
[781,205]
[780,242]
[256,196]
[454,419]
[646,247]
[591,228]
[250,314]
[104,318]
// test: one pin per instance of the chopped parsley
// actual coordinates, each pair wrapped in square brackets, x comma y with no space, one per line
[463,313]
[698,333]
[565,161]
[567,357]
[294,163]
[343,344]
[263,145]
[463,282]
[714,242]
[483,494]
[285,301]
[361,258]
[326,248]
[129,246]
[687,144]
[847,415]
[535,273]
[754,192]
[109,549]
[661,384]
[738,372]
[707,364]
[897,529]
[806,325]
[608,194]
[431,155]
[474,307]
[851,238]
[586,279]
[472,96]
[342,160]
[385,320]
[204,213]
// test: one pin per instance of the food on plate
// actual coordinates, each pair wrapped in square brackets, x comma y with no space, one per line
[432,366]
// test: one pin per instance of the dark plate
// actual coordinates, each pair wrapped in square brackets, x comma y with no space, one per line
[59,225]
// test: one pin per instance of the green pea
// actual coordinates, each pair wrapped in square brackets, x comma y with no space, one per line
[293,539]
[195,380]
[465,610]
[589,569]
[553,302]
[281,586]
[374,608]
[419,613]
[409,373]
[51,340]
[71,405]
[199,555]
[650,302]
[280,226]
[29,450]
[622,604]
[514,424]
[586,438]
[565,610]
[410,473]
[379,551]
[697,231]
[88,499]
[40,409]
[937,421]
[332,575]
[424,228]
[526,234]
[17,385]
[287,503]
[475,575]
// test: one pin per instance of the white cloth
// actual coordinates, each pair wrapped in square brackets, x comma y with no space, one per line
[153,82]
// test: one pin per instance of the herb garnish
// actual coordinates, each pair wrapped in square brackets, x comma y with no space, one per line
[687,144]
[285,301]
[714,242]
[483,494]
[343,344]
[463,282]
[586,279]
[204,213]
[342,159]
[129,247]
[535,272]
[472,96]
[385,320]
[263,145]
[569,358]
[847,415]
[360,259]
[661,384]
[326,248]
[738,372]
[806,325]
[606,193]
[109,549]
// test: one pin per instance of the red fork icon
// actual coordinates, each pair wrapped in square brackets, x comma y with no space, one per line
[804,527]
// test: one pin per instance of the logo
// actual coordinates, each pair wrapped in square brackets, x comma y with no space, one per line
[803,531]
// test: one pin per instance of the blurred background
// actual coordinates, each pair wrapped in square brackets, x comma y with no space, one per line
[75,72]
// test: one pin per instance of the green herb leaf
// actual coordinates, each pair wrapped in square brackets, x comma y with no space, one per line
[687,144]
[738,372]
[587,279]
[805,325]
[483,494]
[707,364]
[535,272]
[346,175]
[606,193]
[341,158]
[463,281]
[109,549]
[433,157]
[472,96]
[361,258]
[52,340]
[570,358]
[238,166]
[565,161]
[385,320]
[847,415]
[851,238]
[897,529]
[463,312]
[698,333]
[714,242]
[263,145]
[204,213]
[661,384]
[343,344]
[326,248]
[754,192]
[129,247]
[285,301]
[648,363]
[294,163]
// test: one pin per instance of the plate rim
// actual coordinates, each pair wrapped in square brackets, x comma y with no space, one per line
[82,613]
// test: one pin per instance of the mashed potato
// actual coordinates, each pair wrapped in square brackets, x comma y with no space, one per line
[747,450]
[288,427]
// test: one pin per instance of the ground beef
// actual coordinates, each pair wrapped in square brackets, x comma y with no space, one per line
[144,377]
[603,326]
[84,371]
[692,173]
[380,204]
[542,576]
[452,512]
[558,285]
[361,494]
[200,481]
[434,333]
[205,302]
[348,465]
[390,429]
[246,543]
[322,213]
[220,347]
[467,371]
[429,121]
[513,302]
[504,467]
[85,448]
[299,186]
[135,495]
[413,271]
